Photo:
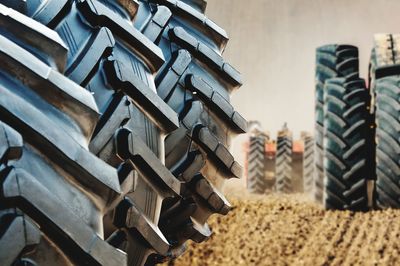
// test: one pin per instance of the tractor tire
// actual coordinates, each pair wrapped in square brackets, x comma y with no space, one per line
[284,182]
[346,142]
[331,61]
[385,78]
[388,143]
[111,51]
[196,83]
[54,191]
[256,181]
[308,165]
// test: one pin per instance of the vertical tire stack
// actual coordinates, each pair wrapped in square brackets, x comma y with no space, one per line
[256,168]
[283,161]
[308,164]
[331,61]
[385,84]
[88,114]
[278,165]
[350,130]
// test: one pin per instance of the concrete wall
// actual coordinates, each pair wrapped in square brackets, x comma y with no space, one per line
[273,43]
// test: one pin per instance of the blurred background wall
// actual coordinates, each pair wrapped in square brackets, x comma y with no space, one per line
[272,43]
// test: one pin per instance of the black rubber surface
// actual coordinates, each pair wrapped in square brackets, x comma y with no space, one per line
[256,180]
[196,83]
[163,195]
[331,61]
[283,168]
[384,89]
[347,163]
[46,168]
[387,135]
[308,164]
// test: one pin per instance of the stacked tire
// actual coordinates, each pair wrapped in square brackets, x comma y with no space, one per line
[115,119]
[385,86]
[331,61]
[343,119]
[280,165]
[308,164]
[256,164]
[283,168]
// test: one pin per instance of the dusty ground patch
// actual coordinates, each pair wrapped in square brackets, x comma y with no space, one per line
[290,230]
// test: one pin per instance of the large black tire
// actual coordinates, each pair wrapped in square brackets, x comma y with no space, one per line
[385,86]
[196,82]
[308,164]
[54,192]
[256,181]
[331,61]
[388,142]
[346,143]
[116,61]
[283,169]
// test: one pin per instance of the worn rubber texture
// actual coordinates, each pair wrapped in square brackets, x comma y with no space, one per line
[331,61]
[196,83]
[347,163]
[256,181]
[116,64]
[54,192]
[283,169]
[308,164]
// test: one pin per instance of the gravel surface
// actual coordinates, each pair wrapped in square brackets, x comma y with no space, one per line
[291,230]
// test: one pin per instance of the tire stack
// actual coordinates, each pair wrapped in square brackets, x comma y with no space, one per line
[331,61]
[256,167]
[277,166]
[385,86]
[283,168]
[344,156]
[308,164]
[115,124]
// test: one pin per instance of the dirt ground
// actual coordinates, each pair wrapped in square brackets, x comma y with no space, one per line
[291,230]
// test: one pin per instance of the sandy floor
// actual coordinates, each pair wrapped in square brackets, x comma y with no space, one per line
[291,230]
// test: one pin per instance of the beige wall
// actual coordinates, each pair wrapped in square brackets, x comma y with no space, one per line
[273,42]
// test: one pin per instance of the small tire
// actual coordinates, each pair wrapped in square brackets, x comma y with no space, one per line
[284,182]
[256,182]
[308,164]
